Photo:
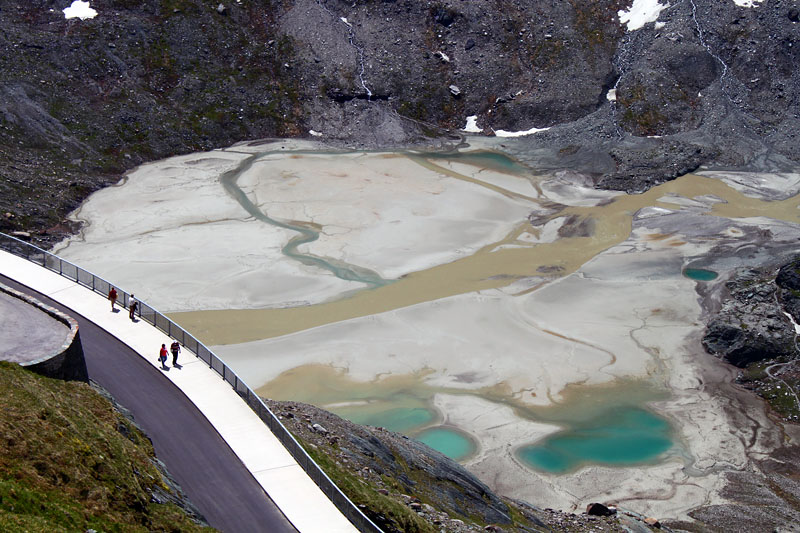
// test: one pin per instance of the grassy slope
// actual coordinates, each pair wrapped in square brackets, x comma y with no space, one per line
[70,462]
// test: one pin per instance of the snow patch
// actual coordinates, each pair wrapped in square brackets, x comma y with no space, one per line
[611,95]
[747,3]
[80,10]
[642,12]
[314,133]
[503,133]
[472,125]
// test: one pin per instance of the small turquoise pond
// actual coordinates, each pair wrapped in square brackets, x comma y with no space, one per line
[401,419]
[447,441]
[700,274]
[618,437]
[450,442]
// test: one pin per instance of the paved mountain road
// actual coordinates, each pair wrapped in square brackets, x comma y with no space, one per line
[213,478]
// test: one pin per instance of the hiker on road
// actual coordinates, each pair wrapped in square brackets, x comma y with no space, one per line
[132,305]
[175,348]
[112,295]
[162,356]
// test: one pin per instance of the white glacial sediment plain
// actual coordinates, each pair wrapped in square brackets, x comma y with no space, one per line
[523,286]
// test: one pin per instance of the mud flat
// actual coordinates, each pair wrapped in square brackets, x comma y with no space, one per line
[506,302]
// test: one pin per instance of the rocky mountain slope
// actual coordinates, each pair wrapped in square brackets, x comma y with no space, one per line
[755,329]
[710,82]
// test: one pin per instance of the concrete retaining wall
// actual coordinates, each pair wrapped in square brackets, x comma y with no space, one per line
[65,363]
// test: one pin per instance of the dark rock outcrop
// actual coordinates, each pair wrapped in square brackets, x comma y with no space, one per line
[788,281]
[751,325]
[598,509]
[641,168]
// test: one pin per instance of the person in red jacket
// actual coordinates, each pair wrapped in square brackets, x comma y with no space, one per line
[162,356]
[112,295]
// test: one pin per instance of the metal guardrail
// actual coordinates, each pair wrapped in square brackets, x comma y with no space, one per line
[148,314]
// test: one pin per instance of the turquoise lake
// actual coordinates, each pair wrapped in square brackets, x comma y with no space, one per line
[401,420]
[447,441]
[406,420]
[700,274]
[618,437]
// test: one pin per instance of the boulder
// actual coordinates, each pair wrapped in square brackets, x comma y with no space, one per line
[789,276]
[652,522]
[751,325]
[598,509]
[443,15]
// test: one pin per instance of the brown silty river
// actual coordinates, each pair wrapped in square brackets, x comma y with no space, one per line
[491,267]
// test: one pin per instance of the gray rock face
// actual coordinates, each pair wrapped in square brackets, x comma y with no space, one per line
[458,487]
[788,280]
[556,58]
[751,325]
[82,101]
[642,168]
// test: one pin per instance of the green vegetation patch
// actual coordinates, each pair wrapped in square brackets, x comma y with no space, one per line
[387,513]
[781,394]
[70,462]
[598,23]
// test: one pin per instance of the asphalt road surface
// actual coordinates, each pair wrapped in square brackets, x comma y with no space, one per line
[213,478]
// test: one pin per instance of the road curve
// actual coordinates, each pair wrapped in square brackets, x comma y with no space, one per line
[213,478]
